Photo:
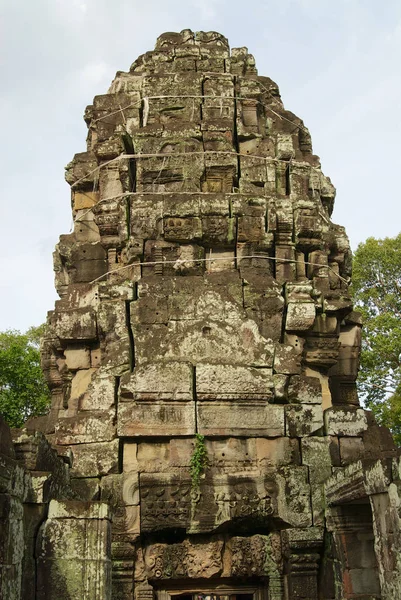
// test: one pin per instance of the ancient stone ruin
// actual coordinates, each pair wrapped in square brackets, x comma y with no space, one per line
[205,440]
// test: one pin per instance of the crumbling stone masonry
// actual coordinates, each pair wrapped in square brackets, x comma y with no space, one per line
[204,307]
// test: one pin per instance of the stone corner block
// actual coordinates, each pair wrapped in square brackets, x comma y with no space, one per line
[73,509]
[345,421]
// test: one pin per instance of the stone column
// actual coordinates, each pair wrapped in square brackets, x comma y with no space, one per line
[304,548]
[73,552]
[352,530]
[12,489]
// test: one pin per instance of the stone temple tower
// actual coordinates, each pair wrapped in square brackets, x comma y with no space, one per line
[202,360]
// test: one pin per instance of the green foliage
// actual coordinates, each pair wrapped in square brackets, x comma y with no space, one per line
[376,285]
[23,390]
[199,460]
[388,413]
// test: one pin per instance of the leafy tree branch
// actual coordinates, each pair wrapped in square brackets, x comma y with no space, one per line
[23,390]
[376,285]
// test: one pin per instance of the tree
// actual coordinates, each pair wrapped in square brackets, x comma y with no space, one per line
[23,390]
[376,285]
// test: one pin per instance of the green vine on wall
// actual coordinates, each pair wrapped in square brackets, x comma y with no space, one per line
[199,460]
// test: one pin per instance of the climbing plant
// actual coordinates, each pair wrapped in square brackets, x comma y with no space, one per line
[199,460]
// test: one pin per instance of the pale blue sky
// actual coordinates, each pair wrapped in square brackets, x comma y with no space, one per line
[337,63]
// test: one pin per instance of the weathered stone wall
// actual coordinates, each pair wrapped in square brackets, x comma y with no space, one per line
[48,548]
[204,291]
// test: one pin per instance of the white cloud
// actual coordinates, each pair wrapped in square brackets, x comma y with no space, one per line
[208,9]
[72,10]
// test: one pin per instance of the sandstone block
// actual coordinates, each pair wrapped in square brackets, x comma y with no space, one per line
[130,461]
[155,418]
[348,360]
[130,522]
[280,384]
[169,501]
[80,383]
[149,457]
[324,382]
[220,260]
[180,452]
[316,455]
[78,324]
[318,268]
[85,199]
[212,306]
[101,391]
[149,310]
[77,358]
[303,420]
[352,449]
[120,489]
[6,441]
[228,382]
[218,231]
[97,458]
[179,205]
[86,488]
[277,452]
[215,204]
[87,256]
[285,269]
[81,168]
[293,501]
[345,421]
[253,419]
[364,581]
[251,229]
[231,454]
[179,229]
[11,530]
[73,509]
[40,488]
[73,551]
[263,303]
[287,360]
[305,390]
[238,341]
[86,427]
[300,316]
[334,303]
[80,578]
[377,481]
[185,559]
[159,381]
[256,555]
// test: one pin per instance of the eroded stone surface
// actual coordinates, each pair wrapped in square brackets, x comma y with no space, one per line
[203,290]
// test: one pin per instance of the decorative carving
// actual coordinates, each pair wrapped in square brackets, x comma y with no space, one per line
[242,502]
[203,288]
[165,504]
[169,502]
[257,555]
[183,560]
[144,591]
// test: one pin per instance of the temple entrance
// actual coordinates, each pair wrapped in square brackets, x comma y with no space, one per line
[352,529]
[215,596]
[215,592]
